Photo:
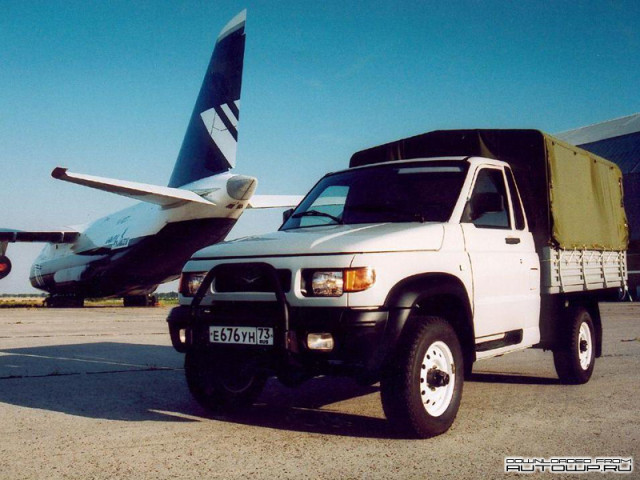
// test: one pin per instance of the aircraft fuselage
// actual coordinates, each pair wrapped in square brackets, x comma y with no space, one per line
[133,250]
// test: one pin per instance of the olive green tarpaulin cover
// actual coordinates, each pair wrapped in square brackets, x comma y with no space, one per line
[586,199]
[572,198]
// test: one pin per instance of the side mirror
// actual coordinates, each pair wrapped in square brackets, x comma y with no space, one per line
[486,202]
[286,215]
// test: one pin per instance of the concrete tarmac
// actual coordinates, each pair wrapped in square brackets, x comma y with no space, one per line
[99,393]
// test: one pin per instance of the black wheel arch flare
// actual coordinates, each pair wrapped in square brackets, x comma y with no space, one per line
[437,294]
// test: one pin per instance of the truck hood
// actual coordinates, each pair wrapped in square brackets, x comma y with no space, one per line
[333,239]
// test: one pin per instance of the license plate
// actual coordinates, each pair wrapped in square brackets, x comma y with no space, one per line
[241,335]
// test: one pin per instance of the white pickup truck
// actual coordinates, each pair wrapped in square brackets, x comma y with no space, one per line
[426,255]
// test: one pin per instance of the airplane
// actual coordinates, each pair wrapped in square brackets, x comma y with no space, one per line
[130,252]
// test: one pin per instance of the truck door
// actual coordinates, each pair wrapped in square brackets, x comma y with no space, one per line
[504,264]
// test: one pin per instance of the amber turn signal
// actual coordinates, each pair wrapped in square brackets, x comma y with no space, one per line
[358,279]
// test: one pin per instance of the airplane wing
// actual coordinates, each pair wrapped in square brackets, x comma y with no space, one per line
[10,236]
[165,196]
[274,201]
[61,236]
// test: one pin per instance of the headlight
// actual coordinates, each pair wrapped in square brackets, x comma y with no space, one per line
[190,283]
[333,283]
[327,284]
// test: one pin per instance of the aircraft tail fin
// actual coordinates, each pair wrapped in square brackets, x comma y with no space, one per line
[209,145]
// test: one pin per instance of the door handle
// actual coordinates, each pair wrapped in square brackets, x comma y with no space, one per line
[512,240]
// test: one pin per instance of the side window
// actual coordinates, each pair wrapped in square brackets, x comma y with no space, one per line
[518,212]
[488,206]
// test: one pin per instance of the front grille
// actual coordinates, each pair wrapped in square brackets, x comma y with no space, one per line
[248,278]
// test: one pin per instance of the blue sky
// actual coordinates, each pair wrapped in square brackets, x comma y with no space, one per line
[106,88]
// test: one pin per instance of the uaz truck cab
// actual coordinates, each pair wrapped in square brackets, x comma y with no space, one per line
[425,256]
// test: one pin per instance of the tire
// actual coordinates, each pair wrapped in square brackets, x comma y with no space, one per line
[217,386]
[575,356]
[131,301]
[427,351]
[64,301]
[140,301]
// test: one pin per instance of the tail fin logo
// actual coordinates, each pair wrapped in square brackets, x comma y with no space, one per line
[222,125]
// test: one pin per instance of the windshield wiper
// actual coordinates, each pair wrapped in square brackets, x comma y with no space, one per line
[316,213]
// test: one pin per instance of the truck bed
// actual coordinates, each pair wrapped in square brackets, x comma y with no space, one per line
[565,271]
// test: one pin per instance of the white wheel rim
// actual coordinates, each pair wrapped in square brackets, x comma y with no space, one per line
[585,346]
[437,399]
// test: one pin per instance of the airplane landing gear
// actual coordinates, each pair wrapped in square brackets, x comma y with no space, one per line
[140,301]
[64,301]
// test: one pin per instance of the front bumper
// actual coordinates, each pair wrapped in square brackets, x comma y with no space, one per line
[359,335]
[363,338]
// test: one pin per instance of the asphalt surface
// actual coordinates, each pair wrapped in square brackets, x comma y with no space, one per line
[100,393]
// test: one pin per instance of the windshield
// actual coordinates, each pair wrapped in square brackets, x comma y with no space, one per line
[407,192]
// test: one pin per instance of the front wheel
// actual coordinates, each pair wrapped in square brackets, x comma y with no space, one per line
[575,356]
[422,387]
[221,386]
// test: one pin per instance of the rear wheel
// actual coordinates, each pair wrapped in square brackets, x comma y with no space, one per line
[219,386]
[422,387]
[575,356]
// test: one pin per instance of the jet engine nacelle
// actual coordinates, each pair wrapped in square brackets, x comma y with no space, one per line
[5,266]
[241,187]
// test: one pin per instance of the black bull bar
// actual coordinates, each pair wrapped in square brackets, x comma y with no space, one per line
[284,338]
